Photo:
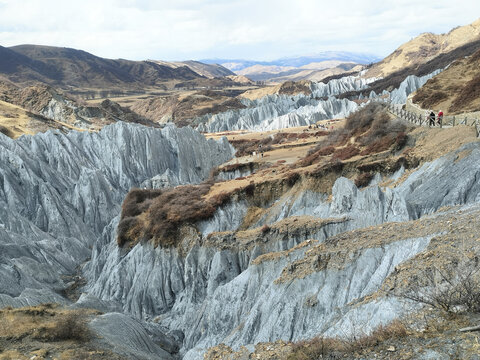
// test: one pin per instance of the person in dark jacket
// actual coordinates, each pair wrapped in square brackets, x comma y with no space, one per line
[432,119]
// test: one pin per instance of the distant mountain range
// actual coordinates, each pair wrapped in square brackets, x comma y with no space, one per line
[310,67]
[299,61]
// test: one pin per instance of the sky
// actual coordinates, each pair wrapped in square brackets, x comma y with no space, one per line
[232,29]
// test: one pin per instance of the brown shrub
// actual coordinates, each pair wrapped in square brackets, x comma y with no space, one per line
[237,166]
[220,199]
[250,189]
[371,126]
[314,154]
[323,348]
[6,131]
[363,179]
[309,159]
[400,140]
[346,152]
[292,178]
[124,226]
[132,205]
[333,166]
[165,211]
[279,137]
[380,127]
[327,150]
[428,97]
[379,145]
[265,229]
[361,120]
[69,326]
[246,147]
[469,93]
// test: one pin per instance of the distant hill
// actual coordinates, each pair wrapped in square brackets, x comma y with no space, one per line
[65,67]
[313,73]
[455,90]
[296,62]
[296,68]
[208,70]
[424,48]
[38,108]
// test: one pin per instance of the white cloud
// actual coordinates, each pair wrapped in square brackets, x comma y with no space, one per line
[259,29]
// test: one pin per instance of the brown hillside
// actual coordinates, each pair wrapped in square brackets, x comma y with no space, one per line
[178,108]
[370,141]
[22,111]
[424,48]
[64,67]
[393,80]
[208,70]
[455,90]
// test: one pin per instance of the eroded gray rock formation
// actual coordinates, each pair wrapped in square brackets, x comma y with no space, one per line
[283,111]
[59,192]
[216,294]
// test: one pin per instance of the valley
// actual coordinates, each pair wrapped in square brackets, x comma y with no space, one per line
[241,210]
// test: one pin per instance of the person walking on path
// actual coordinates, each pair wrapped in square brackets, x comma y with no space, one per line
[432,119]
[440,117]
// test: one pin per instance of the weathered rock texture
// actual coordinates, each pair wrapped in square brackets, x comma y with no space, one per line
[58,192]
[214,289]
[282,111]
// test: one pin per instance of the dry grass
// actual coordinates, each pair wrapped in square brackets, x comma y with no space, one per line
[363,179]
[368,131]
[159,214]
[345,152]
[467,95]
[44,323]
[456,89]
[320,347]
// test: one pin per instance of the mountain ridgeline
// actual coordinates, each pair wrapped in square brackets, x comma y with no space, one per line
[65,67]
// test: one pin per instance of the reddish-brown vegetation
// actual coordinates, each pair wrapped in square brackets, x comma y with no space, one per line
[469,93]
[265,229]
[336,348]
[363,179]
[345,153]
[371,128]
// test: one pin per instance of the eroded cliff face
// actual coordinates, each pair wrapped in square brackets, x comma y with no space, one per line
[282,111]
[298,270]
[58,192]
[242,287]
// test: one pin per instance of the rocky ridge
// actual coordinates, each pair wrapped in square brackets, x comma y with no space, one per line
[58,192]
[262,307]
[281,111]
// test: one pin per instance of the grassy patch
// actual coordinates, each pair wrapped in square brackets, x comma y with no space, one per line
[44,323]
[469,93]
[321,347]
[368,131]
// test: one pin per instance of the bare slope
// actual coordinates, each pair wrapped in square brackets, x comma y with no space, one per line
[454,90]
[178,108]
[207,70]
[25,64]
[425,47]
[38,108]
